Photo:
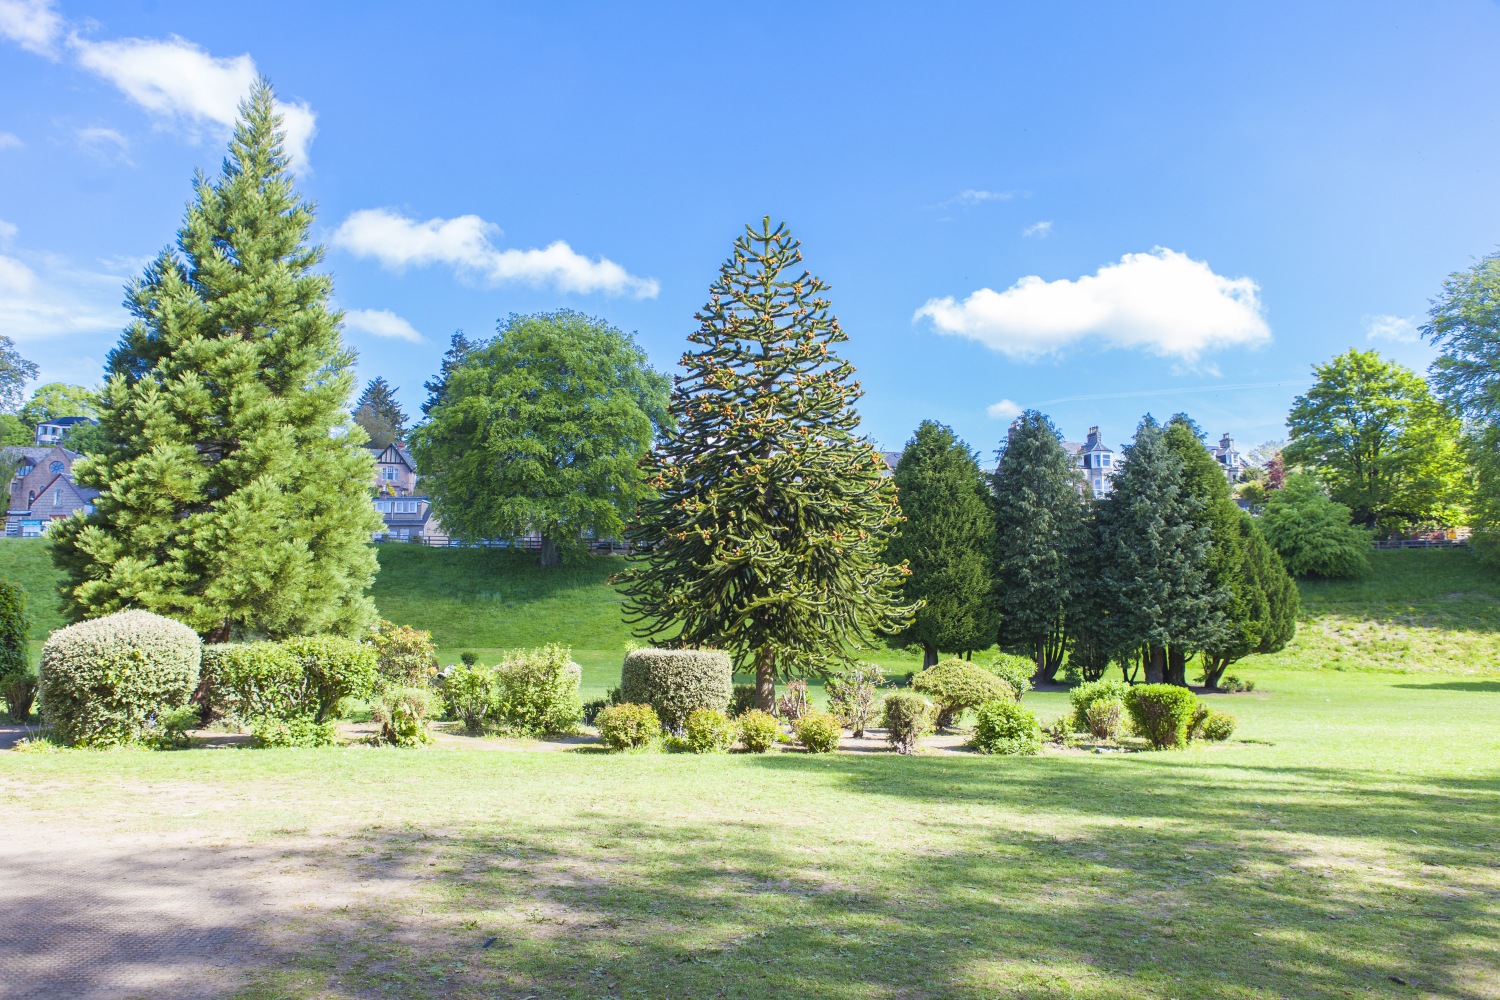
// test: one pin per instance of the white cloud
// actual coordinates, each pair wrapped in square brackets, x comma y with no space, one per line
[972,196]
[1004,410]
[466,244]
[31,24]
[1397,329]
[381,323]
[181,84]
[1162,302]
[65,301]
[9,140]
[8,231]
[105,142]
[1041,230]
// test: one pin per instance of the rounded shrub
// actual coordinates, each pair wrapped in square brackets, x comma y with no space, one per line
[1162,713]
[819,732]
[255,680]
[402,713]
[537,691]
[758,730]
[956,685]
[1016,671]
[708,730]
[1084,695]
[742,699]
[1103,718]
[333,668]
[404,655]
[906,719]
[469,696]
[1218,727]
[677,681]
[103,680]
[271,734]
[1004,727]
[628,727]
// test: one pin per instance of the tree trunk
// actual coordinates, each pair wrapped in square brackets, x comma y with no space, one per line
[1156,664]
[549,555]
[1046,673]
[765,681]
[220,634]
[929,655]
[1213,670]
[1176,666]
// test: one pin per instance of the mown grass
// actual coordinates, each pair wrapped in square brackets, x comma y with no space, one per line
[1345,840]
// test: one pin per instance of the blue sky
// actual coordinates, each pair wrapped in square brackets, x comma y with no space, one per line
[1097,210]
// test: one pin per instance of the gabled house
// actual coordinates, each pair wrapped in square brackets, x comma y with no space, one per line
[1098,463]
[409,519]
[1229,458]
[395,471]
[42,490]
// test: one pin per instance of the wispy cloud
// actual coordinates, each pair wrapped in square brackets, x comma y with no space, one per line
[1041,230]
[104,142]
[466,245]
[32,24]
[9,140]
[1162,302]
[54,298]
[969,197]
[381,323]
[1396,329]
[1004,410]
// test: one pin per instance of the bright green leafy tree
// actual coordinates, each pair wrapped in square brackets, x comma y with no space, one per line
[766,536]
[1372,431]
[234,491]
[543,430]
[1312,533]
[947,541]
[1042,531]
[59,399]
[15,372]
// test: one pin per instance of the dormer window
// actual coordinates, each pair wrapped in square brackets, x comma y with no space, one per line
[24,471]
[1104,460]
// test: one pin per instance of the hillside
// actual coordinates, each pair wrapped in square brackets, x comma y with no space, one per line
[1419,610]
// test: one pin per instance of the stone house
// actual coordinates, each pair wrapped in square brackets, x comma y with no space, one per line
[1229,458]
[42,490]
[395,471]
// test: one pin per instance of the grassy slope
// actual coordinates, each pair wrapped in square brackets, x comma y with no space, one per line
[1348,840]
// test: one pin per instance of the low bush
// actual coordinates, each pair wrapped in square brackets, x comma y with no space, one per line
[404,655]
[102,680]
[1162,713]
[1195,724]
[792,704]
[742,699]
[1003,727]
[819,732]
[854,696]
[467,658]
[1218,727]
[469,696]
[170,727]
[401,713]
[676,681]
[1234,685]
[333,668]
[628,727]
[19,692]
[1103,718]
[1084,695]
[299,732]
[907,717]
[758,730]
[252,680]
[956,686]
[537,692]
[708,730]
[1016,671]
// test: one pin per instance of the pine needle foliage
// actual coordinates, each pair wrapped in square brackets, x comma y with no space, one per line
[379,414]
[765,538]
[948,543]
[234,491]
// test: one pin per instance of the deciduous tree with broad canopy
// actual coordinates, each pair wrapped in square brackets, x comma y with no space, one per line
[766,536]
[948,542]
[234,490]
[543,429]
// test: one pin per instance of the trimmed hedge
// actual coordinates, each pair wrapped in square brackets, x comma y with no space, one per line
[956,685]
[1162,713]
[907,718]
[333,668]
[1218,727]
[102,681]
[1084,695]
[1004,727]
[255,680]
[674,682]
[1016,671]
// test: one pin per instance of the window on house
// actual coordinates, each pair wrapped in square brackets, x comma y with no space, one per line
[57,498]
[1104,460]
[57,468]
[30,497]
[24,471]
[388,474]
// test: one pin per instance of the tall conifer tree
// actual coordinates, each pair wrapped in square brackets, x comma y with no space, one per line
[379,414]
[234,491]
[1228,616]
[766,536]
[947,541]
[459,348]
[1041,531]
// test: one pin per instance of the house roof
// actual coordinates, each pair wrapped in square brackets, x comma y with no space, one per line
[66,421]
[60,480]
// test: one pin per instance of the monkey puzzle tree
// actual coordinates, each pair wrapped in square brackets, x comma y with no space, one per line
[234,491]
[766,535]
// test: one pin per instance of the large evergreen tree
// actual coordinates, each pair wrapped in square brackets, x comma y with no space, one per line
[458,349]
[1265,609]
[947,541]
[377,411]
[766,536]
[234,491]
[1227,621]
[1042,532]
[1154,556]
[543,429]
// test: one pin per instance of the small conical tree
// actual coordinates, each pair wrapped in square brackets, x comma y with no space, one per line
[234,491]
[1153,559]
[766,536]
[379,414]
[459,348]
[947,541]
[1042,531]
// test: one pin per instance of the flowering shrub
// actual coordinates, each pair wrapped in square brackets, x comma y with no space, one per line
[402,715]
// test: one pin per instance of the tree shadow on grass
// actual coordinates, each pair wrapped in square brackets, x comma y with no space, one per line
[1478,686]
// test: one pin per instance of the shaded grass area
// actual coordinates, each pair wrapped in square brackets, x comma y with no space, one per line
[1347,842]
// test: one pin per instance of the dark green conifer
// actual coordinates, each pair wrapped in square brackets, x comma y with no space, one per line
[459,348]
[947,541]
[1228,621]
[234,491]
[377,411]
[766,536]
